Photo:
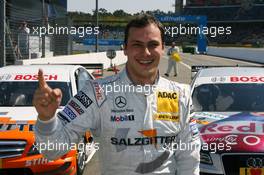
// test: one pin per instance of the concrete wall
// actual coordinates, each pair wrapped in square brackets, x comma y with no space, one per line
[248,54]
[78,59]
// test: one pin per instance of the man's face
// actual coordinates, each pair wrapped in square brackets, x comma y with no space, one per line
[144,49]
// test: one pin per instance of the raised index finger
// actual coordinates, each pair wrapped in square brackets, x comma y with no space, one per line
[42,82]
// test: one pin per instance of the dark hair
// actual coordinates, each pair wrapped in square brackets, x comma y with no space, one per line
[142,21]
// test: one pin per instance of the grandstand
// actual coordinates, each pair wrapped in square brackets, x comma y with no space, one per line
[34,14]
[246,17]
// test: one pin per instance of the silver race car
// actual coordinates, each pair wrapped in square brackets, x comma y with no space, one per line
[228,106]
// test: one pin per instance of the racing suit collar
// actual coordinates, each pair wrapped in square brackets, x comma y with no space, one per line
[126,80]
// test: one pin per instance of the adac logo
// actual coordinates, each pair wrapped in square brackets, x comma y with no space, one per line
[120,101]
[167,95]
[167,102]
[122,118]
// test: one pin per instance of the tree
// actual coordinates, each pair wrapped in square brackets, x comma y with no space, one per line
[120,13]
[103,12]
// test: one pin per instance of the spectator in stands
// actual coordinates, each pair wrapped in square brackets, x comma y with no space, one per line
[17,50]
[23,39]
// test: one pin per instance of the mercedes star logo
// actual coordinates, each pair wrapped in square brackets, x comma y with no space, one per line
[120,101]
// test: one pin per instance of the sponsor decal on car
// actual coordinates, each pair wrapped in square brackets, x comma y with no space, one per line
[39,161]
[35,77]
[5,77]
[212,80]
[251,171]
[3,113]
[6,124]
[218,79]
[247,79]
[204,118]
[209,115]
[229,79]
[255,166]
[237,127]
[244,132]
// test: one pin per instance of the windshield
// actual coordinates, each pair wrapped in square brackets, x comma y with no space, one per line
[17,93]
[228,97]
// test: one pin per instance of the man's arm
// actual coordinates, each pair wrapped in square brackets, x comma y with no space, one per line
[57,133]
[188,158]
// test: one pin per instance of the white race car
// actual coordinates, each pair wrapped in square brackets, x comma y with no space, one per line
[17,117]
[228,106]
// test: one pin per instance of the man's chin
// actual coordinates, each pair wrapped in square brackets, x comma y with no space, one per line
[148,73]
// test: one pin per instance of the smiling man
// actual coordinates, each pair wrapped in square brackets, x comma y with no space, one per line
[140,130]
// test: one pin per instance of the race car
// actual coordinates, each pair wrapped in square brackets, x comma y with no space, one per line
[228,106]
[18,152]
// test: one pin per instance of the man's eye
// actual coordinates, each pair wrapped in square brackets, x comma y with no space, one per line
[152,45]
[137,45]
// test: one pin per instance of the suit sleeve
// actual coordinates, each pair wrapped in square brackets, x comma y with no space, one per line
[56,137]
[188,158]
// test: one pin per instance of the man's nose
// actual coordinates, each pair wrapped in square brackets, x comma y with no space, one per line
[146,51]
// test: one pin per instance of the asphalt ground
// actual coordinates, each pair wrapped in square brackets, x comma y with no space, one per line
[184,76]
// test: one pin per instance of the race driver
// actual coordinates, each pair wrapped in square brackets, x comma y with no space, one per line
[143,127]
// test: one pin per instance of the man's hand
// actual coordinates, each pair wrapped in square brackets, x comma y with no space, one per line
[46,100]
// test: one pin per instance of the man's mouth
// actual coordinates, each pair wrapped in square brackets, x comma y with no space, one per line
[145,62]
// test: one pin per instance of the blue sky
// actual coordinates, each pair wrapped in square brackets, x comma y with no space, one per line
[130,6]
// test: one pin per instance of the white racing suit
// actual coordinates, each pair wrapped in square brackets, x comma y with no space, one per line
[145,130]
